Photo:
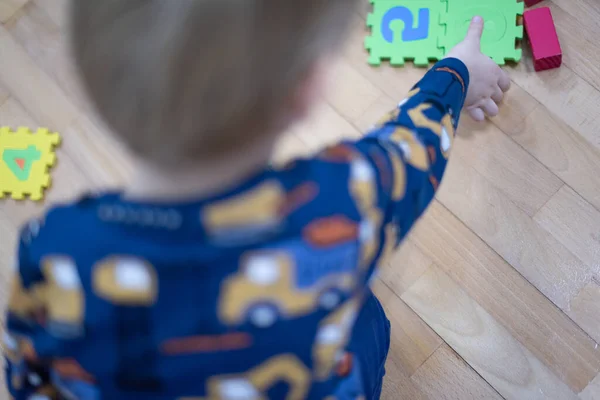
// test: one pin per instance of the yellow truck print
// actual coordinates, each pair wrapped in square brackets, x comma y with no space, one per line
[253,384]
[266,288]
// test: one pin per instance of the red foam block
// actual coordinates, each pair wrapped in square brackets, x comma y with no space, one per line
[543,38]
[530,3]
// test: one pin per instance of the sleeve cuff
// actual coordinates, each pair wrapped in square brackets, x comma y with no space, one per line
[456,65]
[448,80]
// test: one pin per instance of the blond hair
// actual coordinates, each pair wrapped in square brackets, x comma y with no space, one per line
[182,79]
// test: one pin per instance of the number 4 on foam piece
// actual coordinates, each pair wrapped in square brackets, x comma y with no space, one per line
[25,159]
[405,30]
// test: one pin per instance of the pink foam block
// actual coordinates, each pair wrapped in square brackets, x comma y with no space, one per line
[530,3]
[543,38]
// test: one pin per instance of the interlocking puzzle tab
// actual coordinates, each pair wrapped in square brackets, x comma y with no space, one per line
[425,30]
[543,38]
[25,160]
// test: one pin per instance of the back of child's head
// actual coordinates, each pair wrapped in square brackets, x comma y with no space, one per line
[179,80]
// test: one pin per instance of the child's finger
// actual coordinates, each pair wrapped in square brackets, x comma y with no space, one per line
[476,30]
[477,114]
[490,108]
[504,81]
[498,94]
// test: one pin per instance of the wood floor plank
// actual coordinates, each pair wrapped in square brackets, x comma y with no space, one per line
[4,95]
[561,149]
[506,165]
[8,8]
[405,267]
[412,341]
[32,87]
[536,254]
[585,310]
[7,264]
[499,358]
[45,42]
[592,392]
[56,9]
[498,288]
[585,11]
[353,100]
[13,115]
[398,386]
[93,149]
[325,126]
[49,106]
[581,53]
[565,94]
[575,223]
[445,375]
[514,110]
[7,250]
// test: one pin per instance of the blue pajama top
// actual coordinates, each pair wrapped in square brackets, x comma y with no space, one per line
[248,294]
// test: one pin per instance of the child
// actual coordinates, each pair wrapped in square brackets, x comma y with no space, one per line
[211,276]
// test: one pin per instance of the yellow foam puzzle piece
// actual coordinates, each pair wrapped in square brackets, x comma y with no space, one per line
[25,161]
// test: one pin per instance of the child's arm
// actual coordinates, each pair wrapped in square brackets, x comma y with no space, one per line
[402,161]
[416,140]
[411,146]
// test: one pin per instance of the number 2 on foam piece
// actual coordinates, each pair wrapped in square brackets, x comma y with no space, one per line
[410,33]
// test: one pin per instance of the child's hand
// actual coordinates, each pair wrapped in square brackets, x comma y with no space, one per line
[488,80]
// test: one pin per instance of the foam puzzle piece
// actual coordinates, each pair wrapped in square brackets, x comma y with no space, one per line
[425,30]
[405,30]
[25,160]
[543,38]
[501,29]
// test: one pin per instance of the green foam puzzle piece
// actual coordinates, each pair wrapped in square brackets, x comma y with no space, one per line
[501,30]
[405,30]
[426,30]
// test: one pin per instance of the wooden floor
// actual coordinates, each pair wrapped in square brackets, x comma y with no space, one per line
[496,294]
